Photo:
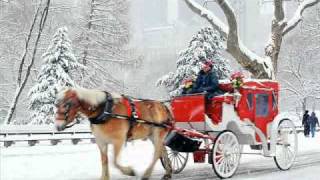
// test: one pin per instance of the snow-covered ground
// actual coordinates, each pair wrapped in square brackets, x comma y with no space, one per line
[81,162]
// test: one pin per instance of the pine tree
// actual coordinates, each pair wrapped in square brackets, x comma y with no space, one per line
[55,73]
[206,44]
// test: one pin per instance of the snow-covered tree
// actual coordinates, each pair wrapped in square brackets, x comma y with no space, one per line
[30,49]
[260,66]
[55,73]
[205,45]
[298,72]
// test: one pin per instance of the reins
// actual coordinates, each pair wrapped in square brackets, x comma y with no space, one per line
[107,114]
[74,123]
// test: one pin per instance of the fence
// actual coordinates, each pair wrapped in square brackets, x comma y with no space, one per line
[10,134]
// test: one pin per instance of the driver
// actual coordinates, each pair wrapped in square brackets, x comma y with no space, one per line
[207,81]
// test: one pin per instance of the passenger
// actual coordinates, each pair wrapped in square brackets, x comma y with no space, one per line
[187,86]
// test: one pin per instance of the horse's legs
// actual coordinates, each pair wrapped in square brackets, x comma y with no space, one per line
[167,161]
[104,162]
[157,140]
[118,143]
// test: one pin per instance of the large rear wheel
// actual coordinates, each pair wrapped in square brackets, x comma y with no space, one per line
[286,145]
[226,154]
[177,160]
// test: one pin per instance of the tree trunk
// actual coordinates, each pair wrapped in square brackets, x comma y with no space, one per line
[260,67]
[86,48]
[27,46]
[304,104]
[42,21]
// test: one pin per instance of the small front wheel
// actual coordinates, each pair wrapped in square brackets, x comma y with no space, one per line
[226,154]
[177,160]
[286,145]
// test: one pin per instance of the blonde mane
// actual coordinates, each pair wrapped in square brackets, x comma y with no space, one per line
[92,96]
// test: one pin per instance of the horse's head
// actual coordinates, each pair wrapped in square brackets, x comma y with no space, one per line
[68,105]
[72,101]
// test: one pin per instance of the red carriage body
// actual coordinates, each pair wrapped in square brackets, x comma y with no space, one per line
[244,116]
[258,102]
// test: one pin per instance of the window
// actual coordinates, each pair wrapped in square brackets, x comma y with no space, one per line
[250,101]
[262,101]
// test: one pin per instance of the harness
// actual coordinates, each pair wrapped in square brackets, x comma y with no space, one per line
[107,110]
[132,116]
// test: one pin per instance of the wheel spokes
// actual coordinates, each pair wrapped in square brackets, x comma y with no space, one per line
[286,146]
[226,154]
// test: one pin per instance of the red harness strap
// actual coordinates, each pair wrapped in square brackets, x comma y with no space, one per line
[132,111]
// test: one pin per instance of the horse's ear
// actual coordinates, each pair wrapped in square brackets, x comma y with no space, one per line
[64,89]
[65,92]
[73,93]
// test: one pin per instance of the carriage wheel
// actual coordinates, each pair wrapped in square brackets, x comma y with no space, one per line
[226,154]
[286,145]
[178,160]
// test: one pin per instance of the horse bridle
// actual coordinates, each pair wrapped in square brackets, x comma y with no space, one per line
[67,106]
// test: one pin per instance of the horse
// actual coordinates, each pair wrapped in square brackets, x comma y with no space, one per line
[113,122]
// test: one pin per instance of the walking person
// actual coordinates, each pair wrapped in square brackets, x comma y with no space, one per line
[305,123]
[313,121]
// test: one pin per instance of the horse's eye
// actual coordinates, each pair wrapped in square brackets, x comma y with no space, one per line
[57,103]
[68,104]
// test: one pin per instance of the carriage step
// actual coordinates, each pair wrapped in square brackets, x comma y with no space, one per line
[256,147]
[210,160]
[259,146]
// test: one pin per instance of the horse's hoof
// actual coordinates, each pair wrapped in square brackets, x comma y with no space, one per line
[144,178]
[131,173]
[128,171]
[166,177]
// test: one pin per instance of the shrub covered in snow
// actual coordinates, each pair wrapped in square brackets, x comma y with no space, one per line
[205,45]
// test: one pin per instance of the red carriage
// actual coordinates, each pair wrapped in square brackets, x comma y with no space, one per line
[219,127]
[244,115]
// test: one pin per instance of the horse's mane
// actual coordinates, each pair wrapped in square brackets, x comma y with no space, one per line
[93,96]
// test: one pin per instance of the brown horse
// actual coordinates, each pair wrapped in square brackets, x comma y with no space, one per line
[112,122]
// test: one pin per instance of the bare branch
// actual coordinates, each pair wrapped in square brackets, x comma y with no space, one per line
[19,89]
[258,66]
[27,44]
[291,89]
[297,17]
[209,16]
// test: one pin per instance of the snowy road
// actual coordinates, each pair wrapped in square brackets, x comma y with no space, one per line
[262,169]
[81,162]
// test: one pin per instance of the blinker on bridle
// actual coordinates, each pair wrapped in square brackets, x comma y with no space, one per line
[67,106]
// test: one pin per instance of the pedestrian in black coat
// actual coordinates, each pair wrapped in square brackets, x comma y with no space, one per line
[313,121]
[305,123]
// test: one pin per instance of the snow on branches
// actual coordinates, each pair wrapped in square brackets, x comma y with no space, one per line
[206,44]
[260,67]
[55,73]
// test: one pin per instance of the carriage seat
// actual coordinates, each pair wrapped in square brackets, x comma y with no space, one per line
[214,107]
[192,107]
[226,86]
